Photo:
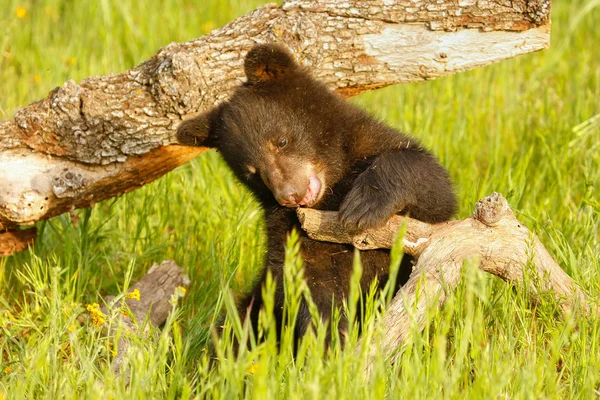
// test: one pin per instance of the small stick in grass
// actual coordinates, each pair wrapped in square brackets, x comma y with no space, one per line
[154,297]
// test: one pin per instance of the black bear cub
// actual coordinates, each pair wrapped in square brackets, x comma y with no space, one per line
[294,143]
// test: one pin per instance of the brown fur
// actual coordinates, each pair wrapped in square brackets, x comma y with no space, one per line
[283,128]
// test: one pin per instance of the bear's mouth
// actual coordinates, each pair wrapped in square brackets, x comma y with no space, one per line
[313,192]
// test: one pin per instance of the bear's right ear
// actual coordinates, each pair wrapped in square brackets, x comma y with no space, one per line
[267,62]
[195,131]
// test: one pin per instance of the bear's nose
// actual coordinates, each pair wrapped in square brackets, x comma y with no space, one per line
[287,197]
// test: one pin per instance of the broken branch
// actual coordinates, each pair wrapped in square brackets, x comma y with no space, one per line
[493,235]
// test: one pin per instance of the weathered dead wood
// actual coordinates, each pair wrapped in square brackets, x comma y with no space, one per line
[107,135]
[158,293]
[502,244]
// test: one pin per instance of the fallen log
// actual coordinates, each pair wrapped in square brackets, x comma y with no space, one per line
[108,135]
[503,246]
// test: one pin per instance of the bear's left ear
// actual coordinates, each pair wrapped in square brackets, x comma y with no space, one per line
[195,131]
[268,62]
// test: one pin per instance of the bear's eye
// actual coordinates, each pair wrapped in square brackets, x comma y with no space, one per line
[282,142]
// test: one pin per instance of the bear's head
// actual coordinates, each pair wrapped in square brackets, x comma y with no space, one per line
[281,132]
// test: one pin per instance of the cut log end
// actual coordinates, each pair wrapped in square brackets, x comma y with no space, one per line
[62,185]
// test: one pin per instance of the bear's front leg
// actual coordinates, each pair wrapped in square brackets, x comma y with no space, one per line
[405,180]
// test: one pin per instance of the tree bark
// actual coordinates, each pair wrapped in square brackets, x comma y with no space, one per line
[16,240]
[107,135]
[502,244]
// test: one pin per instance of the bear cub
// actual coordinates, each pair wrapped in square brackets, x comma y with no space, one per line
[294,143]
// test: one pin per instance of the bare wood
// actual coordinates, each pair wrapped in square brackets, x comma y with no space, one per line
[16,240]
[104,136]
[502,244]
[54,185]
[157,294]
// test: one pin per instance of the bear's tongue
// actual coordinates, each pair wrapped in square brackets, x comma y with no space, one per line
[314,187]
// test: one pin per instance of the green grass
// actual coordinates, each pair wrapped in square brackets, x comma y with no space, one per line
[514,128]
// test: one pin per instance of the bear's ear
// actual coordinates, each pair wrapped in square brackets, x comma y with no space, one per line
[195,131]
[267,62]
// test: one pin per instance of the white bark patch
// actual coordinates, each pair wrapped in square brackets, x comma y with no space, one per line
[433,53]
[414,245]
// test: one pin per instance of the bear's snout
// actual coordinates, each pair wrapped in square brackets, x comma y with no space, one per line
[288,178]
[288,189]
[287,197]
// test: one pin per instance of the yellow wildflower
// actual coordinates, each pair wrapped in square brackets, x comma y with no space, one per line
[98,317]
[7,370]
[112,349]
[72,60]
[8,55]
[179,292]
[72,328]
[21,12]
[252,369]
[37,79]
[134,294]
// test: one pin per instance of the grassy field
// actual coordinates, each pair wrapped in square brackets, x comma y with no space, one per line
[515,128]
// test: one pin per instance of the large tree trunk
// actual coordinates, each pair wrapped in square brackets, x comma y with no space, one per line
[108,135]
